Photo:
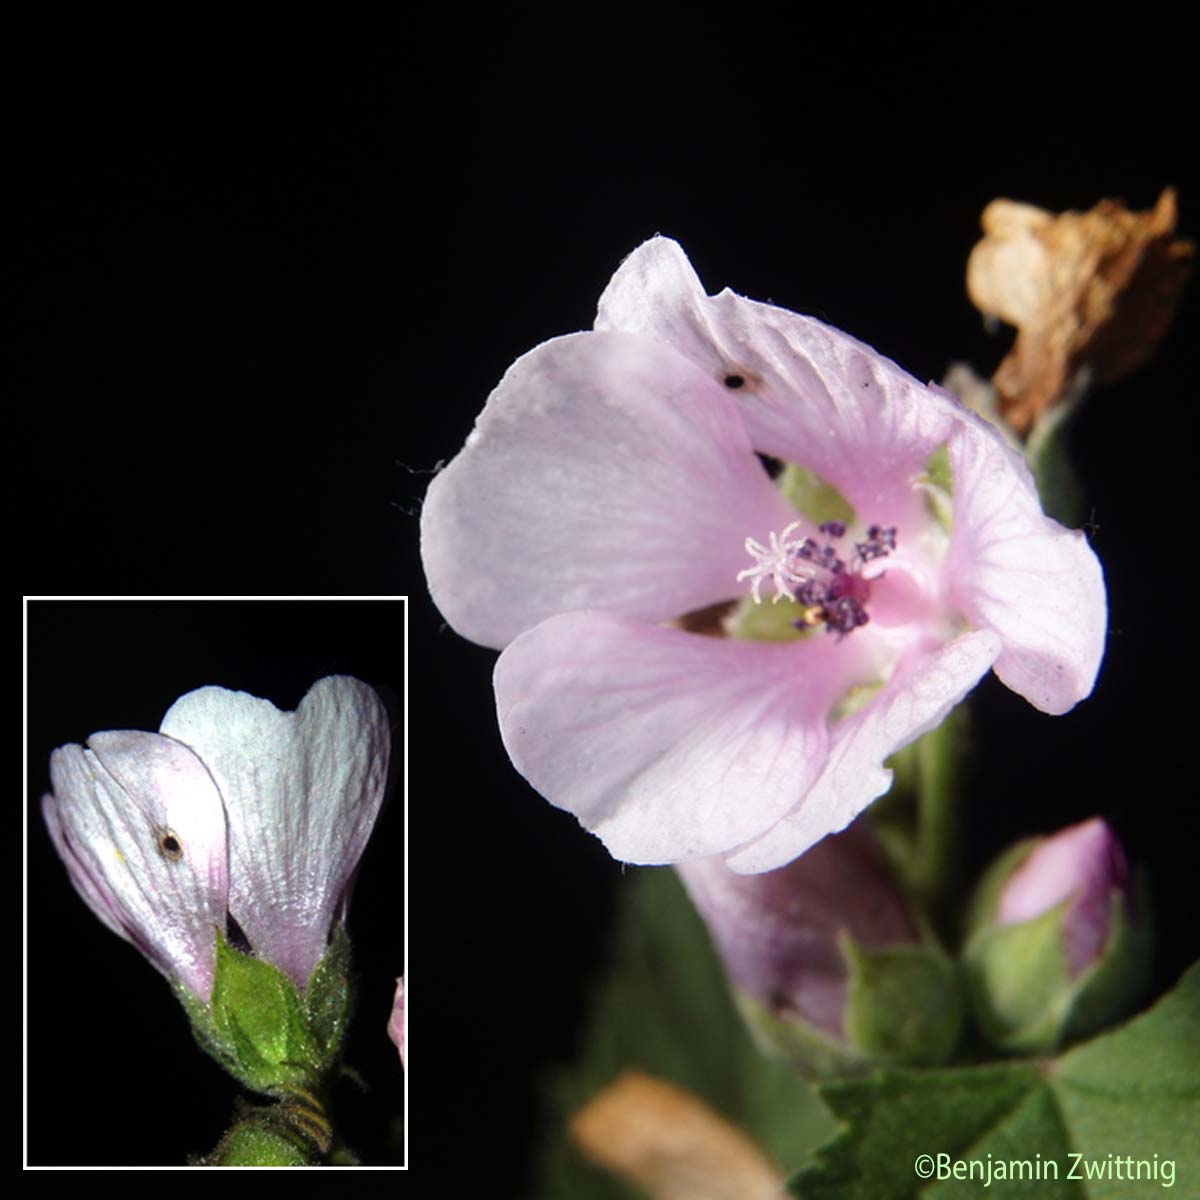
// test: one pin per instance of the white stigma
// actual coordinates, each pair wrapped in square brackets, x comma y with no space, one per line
[778,561]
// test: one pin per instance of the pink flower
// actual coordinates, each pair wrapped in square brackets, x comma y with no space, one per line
[611,485]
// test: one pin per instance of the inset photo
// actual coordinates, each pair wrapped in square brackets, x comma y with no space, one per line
[216,882]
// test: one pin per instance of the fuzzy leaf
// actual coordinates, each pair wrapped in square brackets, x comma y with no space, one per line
[1132,1093]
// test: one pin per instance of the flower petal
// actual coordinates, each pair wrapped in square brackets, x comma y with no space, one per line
[605,471]
[810,394]
[396,1023]
[668,745]
[925,686]
[302,791]
[139,823]
[1011,569]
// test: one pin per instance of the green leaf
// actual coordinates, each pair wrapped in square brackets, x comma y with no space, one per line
[664,1007]
[1115,1117]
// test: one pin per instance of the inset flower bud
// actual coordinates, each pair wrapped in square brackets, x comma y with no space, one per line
[825,962]
[1060,944]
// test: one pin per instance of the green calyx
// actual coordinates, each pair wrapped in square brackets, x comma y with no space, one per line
[903,1007]
[1021,990]
[266,1034]
[904,1004]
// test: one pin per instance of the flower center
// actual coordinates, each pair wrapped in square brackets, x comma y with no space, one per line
[830,589]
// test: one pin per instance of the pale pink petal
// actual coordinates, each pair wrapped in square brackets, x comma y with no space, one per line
[1011,569]
[139,823]
[1084,862]
[302,791]
[925,686]
[606,471]
[809,394]
[665,744]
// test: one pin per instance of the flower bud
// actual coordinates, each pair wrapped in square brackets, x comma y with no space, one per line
[824,960]
[1060,942]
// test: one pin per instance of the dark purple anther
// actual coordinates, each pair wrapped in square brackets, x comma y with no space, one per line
[812,592]
[881,541]
[833,529]
[845,615]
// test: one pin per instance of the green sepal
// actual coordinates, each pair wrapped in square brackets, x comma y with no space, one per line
[938,486]
[1018,982]
[808,1050]
[261,1030]
[257,1013]
[904,1004]
[1024,999]
[768,621]
[327,998]
[812,497]
[904,1007]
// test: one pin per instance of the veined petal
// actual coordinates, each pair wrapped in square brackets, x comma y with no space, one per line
[302,791]
[1011,569]
[606,471]
[665,744]
[139,823]
[809,393]
[924,687]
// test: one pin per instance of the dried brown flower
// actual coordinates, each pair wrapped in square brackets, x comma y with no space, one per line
[1093,291]
[666,1141]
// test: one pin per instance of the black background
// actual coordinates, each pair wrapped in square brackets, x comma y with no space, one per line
[218,235]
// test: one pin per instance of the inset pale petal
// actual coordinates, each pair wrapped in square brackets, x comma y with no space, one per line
[302,791]
[606,471]
[665,744]
[138,821]
[924,687]
[1013,570]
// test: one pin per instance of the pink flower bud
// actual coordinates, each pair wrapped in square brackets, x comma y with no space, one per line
[778,933]
[1082,864]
